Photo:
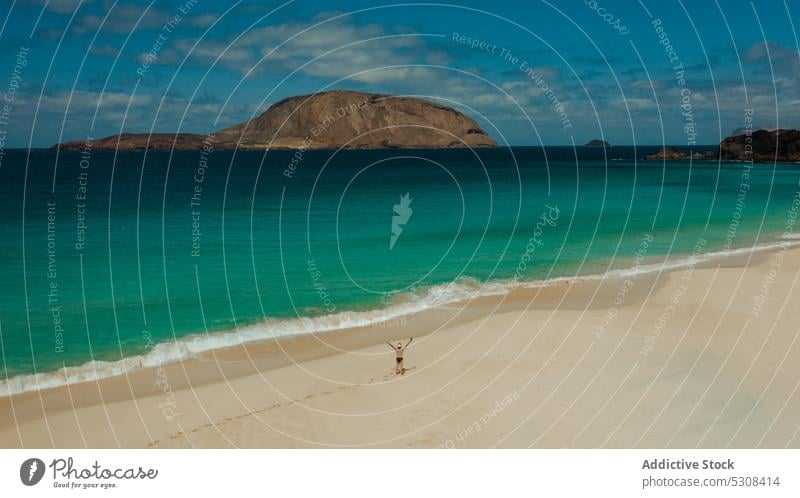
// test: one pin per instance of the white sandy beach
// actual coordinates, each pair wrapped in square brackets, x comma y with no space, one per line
[703,357]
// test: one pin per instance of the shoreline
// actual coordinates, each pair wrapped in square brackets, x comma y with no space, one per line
[162,405]
[198,344]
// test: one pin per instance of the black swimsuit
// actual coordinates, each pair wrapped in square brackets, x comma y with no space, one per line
[399,360]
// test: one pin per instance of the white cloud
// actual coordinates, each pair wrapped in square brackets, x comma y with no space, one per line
[202,20]
[60,6]
[122,18]
[114,111]
[289,46]
[784,60]
[104,50]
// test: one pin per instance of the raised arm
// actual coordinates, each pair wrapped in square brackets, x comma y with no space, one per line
[409,342]
[391,345]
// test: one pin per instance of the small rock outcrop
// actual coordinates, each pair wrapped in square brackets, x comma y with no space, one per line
[667,154]
[672,154]
[597,143]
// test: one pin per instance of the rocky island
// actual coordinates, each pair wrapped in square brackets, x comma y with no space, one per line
[597,143]
[757,145]
[339,118]
[764,145]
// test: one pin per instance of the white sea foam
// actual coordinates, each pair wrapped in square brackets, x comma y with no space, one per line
[458,291]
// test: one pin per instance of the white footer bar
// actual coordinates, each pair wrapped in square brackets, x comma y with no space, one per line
[400,473]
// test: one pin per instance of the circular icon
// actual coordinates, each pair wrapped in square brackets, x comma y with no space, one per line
[31,471]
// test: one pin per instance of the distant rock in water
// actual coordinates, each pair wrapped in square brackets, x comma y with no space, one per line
[672,154]
[597,143]
[339,118]
[781,145]
[668,154]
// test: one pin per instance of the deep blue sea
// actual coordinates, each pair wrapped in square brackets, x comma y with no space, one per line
[135,258]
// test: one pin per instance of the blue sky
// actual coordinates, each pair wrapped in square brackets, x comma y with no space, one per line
[549,73]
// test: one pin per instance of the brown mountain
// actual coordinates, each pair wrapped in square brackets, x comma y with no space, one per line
[780,145]
[339,118]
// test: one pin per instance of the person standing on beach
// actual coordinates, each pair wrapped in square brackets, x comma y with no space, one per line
[399,369]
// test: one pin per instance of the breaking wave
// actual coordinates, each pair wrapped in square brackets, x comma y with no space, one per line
[460,290]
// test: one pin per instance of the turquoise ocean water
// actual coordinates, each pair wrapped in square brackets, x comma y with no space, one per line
[134,259]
